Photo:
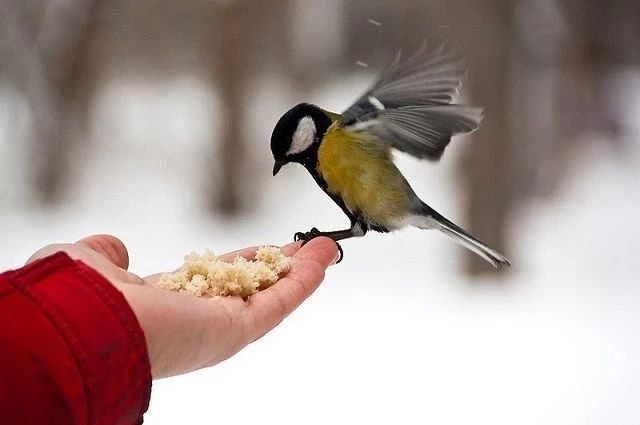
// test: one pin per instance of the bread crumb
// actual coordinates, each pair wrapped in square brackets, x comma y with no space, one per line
[197,286]
[204,275]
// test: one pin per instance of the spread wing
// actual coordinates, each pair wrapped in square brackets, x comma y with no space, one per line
[410,104]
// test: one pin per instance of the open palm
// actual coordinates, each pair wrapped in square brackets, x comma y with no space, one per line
[185,333]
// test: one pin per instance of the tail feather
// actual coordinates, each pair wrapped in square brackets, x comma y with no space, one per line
[430,219]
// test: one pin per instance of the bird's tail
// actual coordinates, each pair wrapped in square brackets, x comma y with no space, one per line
[431,219]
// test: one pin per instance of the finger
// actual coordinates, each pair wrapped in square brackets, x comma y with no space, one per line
[250,253]
[270,306]
[110,257]
[291,249]
[108,246]
[49,250]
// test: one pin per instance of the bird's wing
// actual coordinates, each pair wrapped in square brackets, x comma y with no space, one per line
[410,105]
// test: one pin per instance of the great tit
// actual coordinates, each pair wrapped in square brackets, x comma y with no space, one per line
[409,108]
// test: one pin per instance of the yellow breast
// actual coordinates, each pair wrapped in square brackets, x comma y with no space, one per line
[363,174]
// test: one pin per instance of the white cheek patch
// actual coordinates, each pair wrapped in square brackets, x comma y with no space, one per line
[303,137]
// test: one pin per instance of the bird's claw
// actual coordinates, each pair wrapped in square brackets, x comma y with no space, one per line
[306,236]
[313,233]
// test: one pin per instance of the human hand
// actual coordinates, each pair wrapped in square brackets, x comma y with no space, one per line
[186,333]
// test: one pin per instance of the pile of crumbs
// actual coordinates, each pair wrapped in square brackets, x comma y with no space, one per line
[207,276]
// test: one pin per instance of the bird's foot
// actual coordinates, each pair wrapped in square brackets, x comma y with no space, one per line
[314,233]
[306,236]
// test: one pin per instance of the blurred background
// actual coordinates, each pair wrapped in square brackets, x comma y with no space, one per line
[151,120]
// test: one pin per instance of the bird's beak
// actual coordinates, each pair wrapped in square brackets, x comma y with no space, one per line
[277,166]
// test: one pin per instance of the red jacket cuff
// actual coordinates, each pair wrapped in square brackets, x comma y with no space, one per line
[75,347]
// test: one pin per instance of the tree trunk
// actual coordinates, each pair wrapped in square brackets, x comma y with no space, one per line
[230,39]
[486,30]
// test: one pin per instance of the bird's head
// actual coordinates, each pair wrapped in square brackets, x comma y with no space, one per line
[297,135]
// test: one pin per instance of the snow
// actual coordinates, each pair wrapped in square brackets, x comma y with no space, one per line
[395,334]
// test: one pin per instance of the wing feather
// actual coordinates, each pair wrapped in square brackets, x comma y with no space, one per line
[410,106]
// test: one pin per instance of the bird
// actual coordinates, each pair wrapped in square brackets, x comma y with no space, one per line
[409,108]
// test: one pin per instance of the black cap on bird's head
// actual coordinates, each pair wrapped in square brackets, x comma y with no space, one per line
[297,134]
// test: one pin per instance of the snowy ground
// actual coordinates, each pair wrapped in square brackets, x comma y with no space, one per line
[395,334]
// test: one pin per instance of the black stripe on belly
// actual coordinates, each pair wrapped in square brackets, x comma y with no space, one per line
[354,216]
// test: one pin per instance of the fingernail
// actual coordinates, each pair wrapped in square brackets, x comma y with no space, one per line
[337,259]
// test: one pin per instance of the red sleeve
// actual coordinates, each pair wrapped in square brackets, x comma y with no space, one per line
[71,348]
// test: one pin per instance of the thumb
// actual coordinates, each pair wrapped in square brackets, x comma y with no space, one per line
[108,246]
